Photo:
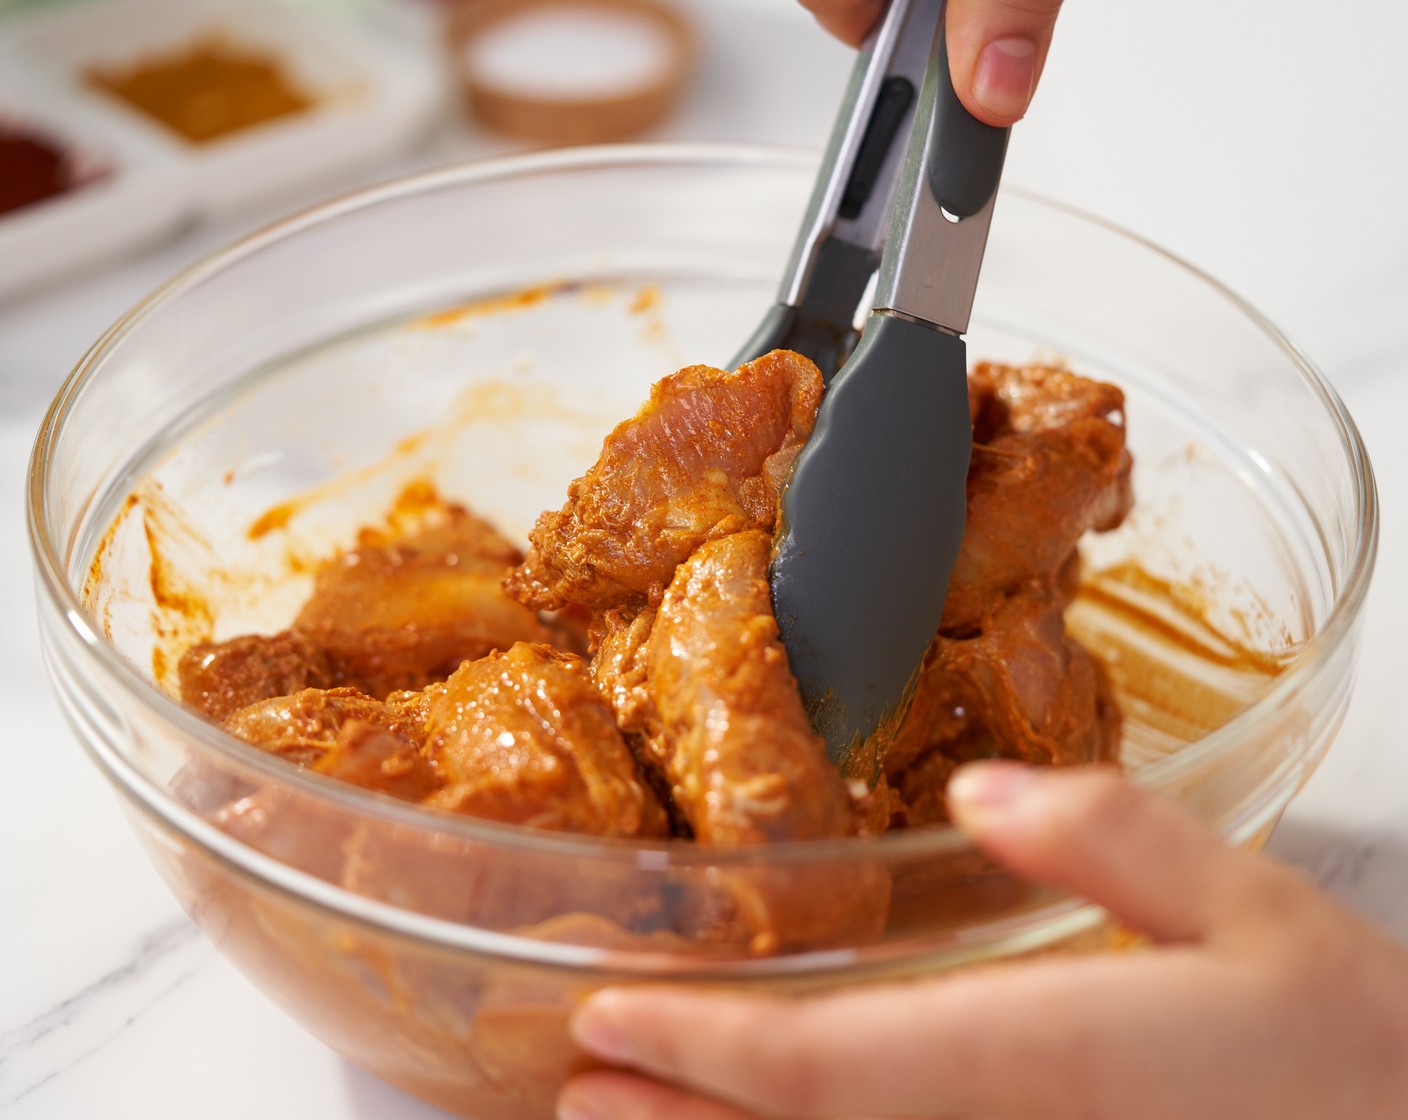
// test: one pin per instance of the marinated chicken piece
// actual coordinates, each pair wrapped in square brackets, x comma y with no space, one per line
[304,726]
[743,761]
[570,628]
[1035,398]
[706,456]
[620,641]
[483,882]
[371,756]
[404,614]
[290,827]
[918,798]
[1017,688]
[524,737]
[344,734]
[388,615]
[219,678]
[521,736]
[1049,463]
[704,684]
[1002,678]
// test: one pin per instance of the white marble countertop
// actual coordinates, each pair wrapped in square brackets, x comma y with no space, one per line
[1262,140]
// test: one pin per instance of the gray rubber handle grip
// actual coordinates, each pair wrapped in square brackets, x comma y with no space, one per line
[965,155]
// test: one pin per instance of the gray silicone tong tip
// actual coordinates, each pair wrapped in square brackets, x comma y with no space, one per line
[873,515]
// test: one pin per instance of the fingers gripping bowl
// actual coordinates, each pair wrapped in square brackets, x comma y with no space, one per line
[481,329]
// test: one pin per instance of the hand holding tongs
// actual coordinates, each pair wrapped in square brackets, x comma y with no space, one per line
[873,515]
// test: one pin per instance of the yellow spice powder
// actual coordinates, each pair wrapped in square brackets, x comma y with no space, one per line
[207,90]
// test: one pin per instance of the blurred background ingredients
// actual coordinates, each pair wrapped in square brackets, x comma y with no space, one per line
[571,71]
[206,90]
[33,167]
[213,109]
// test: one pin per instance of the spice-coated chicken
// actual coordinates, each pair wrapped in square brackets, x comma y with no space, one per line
[1002,678]
[706,455]
[421,668]
[397,613]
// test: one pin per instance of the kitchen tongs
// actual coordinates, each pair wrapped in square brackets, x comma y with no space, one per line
[873,514]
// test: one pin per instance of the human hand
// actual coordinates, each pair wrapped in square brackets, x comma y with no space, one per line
[1262,998]
[996,48]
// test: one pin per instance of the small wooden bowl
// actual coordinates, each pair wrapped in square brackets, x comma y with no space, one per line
[565,119]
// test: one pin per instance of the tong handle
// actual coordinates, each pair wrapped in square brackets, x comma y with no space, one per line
[947,191]
[855,186]
[965,156]
[848,218]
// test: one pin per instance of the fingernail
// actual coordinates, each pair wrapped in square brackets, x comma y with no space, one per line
[1006,74]
[988,785]
[594,1028]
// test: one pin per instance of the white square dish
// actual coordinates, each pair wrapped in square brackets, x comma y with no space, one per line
[140,195]
[373,95]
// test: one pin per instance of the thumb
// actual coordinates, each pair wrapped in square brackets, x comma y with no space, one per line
[996,51]
[1151,864]
[849,20]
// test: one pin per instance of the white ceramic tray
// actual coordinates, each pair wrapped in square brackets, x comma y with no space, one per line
[141,194]
[375,94]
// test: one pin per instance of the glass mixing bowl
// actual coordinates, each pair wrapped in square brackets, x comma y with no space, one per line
[480,329]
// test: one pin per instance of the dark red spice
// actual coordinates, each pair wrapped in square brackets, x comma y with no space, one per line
[31,169]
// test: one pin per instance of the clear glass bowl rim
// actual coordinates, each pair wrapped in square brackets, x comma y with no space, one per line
[1320,649]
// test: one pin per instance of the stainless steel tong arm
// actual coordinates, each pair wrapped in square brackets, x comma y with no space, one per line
[860,172]
[906,187]
[943,207]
